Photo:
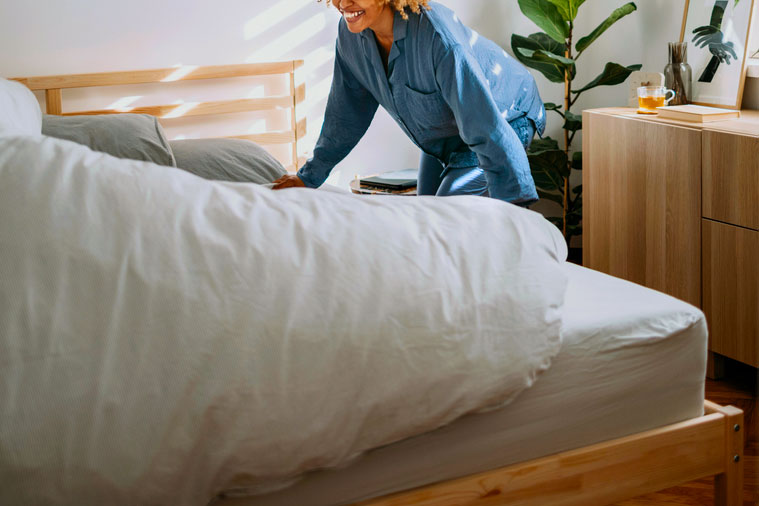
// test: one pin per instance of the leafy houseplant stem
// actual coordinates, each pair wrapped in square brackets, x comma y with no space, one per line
[567,139]
[550,52]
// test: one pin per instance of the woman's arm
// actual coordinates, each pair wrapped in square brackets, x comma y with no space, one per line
[350,110]
[482,126]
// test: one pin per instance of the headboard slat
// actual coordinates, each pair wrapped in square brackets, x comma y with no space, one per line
[54,101]
[300,93]
[183,73]
[199,108]
[281,137]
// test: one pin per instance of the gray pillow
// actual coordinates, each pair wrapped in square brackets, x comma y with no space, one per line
[234,160]
[133,136]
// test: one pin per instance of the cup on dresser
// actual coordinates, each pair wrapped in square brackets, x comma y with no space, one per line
[651,97]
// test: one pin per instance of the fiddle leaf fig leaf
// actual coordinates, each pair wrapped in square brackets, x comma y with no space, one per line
[612,74]
[572,121]
[545,56]
[548,18]
[551,54]
[563,7]
[567,8]
[544,144]
[615,16]
[540,41]
[552,196]
[549,169]
[560,63]
[577,161]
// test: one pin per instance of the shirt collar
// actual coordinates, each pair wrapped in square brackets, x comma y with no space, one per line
[400,27]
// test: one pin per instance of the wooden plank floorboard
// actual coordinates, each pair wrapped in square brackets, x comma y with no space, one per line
[738,391]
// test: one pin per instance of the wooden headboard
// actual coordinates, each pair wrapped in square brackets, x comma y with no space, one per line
[53,86]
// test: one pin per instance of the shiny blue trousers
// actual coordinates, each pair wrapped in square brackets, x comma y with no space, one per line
[434,179]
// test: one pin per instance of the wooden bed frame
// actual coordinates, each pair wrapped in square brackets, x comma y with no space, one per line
[603,473]
[54,85]
[608,472]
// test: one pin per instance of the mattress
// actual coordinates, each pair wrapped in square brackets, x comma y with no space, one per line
[632,359]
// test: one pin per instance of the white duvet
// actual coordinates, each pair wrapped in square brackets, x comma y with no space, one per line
[164,338]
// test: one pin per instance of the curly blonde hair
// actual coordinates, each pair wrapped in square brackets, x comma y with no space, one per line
[400,5]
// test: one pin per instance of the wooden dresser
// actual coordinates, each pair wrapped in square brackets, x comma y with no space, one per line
[675,206]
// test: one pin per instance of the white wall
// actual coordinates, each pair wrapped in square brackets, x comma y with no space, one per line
[69,36]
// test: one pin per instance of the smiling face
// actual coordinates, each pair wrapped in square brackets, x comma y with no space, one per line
[362,14]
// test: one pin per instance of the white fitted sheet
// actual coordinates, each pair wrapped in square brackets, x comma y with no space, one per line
[632,359]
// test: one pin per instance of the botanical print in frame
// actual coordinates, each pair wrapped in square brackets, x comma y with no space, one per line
[717,34]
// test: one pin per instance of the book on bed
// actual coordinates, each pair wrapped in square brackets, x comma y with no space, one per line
[396,180]
[696,113]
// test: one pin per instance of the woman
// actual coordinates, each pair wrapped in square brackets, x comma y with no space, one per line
[470,108]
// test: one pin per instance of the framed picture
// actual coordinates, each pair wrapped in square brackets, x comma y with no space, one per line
[717,33]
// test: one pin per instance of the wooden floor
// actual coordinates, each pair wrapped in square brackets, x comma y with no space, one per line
[738,389]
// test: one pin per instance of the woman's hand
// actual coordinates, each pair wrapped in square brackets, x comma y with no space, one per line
[288,181]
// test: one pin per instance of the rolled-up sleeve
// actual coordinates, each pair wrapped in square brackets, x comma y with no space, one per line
[482,127]
[350,110]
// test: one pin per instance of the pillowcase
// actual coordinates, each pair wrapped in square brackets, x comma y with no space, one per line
[132,136]
[235,160]
[20,112]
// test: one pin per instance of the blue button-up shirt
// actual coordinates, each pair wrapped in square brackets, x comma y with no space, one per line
[451,90]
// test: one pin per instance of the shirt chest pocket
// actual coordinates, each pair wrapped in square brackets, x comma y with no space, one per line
[426,114]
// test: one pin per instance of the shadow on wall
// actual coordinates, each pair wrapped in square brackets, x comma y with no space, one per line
[281,30]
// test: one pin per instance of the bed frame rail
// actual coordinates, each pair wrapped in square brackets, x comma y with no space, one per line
[603,473]
[607,472]
[53,86]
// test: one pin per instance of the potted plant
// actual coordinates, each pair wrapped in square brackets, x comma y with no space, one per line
[552,53]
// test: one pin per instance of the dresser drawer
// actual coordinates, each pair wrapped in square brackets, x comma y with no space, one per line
[730,164]
[731,290]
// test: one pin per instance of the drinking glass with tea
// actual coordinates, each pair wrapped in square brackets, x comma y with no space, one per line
[651,97]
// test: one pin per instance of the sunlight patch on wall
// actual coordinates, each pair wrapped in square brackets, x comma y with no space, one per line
[312,64]
[316,59]
[277,48]
[182,109]
[272,17]
[316,91]
[123,104]
[182,71]
[256,92]
[256,127]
